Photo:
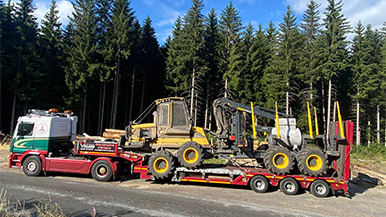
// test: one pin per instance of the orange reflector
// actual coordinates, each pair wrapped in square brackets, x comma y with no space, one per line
[68,112]
[53,110]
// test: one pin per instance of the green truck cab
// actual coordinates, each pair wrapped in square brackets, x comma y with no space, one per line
[40,130]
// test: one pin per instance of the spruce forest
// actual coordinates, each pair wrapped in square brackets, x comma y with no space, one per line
[107,66]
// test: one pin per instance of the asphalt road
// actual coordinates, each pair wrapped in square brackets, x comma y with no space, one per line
[78,195]
[77,198]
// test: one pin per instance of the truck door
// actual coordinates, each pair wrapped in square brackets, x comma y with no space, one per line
[23,138]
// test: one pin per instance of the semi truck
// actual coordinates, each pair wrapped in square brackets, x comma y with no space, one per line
[45,141]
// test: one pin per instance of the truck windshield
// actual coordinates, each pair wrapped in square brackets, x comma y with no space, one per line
[25,129]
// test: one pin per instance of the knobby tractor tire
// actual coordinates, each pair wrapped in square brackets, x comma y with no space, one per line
[190,155]
[161,164]
[102,171]
[32,166]
[312,162]
[279,160]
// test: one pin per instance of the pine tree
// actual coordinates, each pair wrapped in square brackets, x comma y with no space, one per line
[104,63]
[259,59]
[193,35]
[122,20]
[177,80]
[28,76]
[244,87]
[81,55]
[309,76]
[52,53]
[150,63]
[333,52]
[230,28]
[310,27]
[271,81]
[285,63]
[213,60]
[8,62]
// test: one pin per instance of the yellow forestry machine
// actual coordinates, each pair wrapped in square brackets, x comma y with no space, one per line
[171,138]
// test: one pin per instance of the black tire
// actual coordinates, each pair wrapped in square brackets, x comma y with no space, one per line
[102,171]
[161,164]
[312,162]
[190,155]
[32,166]
[279,160]
[320,188]
[289,186]
[259,184]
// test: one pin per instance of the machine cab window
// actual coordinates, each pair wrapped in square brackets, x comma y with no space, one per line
[179,114]
[163,115]
[25,129]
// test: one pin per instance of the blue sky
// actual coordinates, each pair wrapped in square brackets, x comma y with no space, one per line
[164,12]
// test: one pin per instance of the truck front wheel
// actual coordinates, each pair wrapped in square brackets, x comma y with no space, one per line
[32,166]
[102,171]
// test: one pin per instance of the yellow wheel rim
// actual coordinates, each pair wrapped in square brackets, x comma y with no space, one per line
[280,160]
[314,162]
[190,155]
[160,165]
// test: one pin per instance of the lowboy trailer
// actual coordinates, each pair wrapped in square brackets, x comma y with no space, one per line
[105,159]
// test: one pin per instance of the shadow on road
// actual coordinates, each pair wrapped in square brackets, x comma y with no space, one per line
[361,183]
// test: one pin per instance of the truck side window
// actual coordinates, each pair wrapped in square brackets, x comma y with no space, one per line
[179,114]
[163,115]
[25,129]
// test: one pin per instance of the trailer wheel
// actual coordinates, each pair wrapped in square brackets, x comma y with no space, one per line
[32,166]
[161,164]
[289,186]
[102,171]
[320,188]
[190,155]
[259,184]
[312,162]
[279,160]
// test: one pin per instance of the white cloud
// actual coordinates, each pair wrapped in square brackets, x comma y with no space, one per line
[368,12]
[43,6]
[65,9]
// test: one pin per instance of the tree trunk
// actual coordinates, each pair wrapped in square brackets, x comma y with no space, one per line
[368,132]
[14,93]
[329,107]
[192,94]
[378,125]
[311,94]
[13,114]
[116,94]
[102,108]
[84,110]
[195,109]
[206,106]
[324,109]
[132,94]
[143,91]
[287,99]
[358,134]
[226,88]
